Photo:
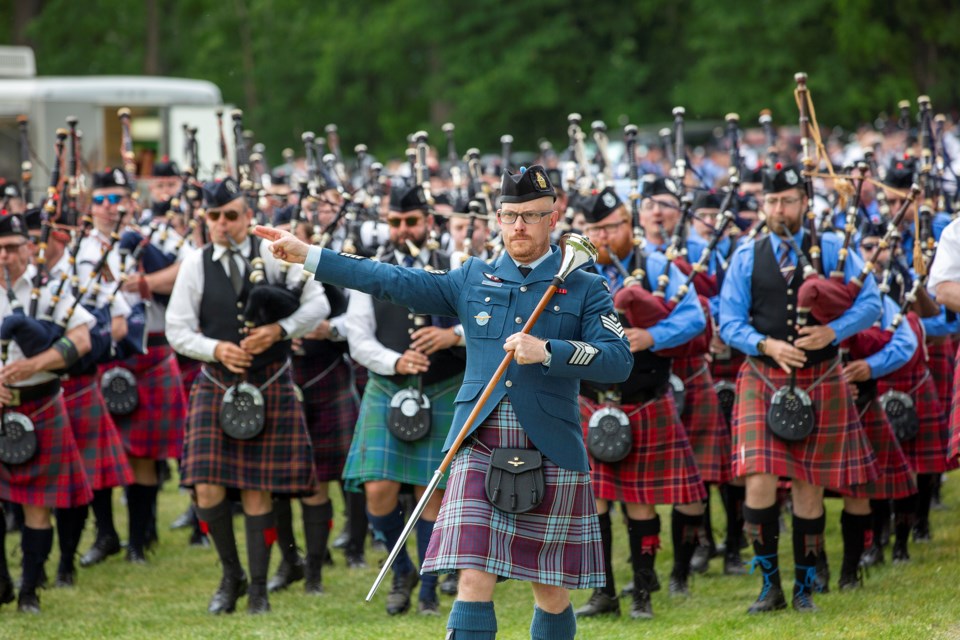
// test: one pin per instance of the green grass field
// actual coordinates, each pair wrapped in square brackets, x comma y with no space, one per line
[168,597]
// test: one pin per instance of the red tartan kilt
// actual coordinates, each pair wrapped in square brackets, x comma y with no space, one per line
[727,369]
[703,420]
[279,460]
[837,455]
[954,451]
[331,407]
[95,433]
[896,480]
[189,370]
[54,477]
[660,469]
[940,362]
[927,452]
[155,429]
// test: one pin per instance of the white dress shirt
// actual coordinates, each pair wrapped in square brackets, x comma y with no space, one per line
[946,264]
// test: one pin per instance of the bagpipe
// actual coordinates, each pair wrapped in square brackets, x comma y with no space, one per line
[18,438]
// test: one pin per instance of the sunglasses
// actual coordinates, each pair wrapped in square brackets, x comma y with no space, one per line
[606,228]
[410,221]
[230,215]
[869,246]
[113,198]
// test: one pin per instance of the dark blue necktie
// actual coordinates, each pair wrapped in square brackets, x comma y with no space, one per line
[407,261]
[525,271]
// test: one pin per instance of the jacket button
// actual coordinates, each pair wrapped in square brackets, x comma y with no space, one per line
[409,316]
[518,320]
[790,323]
[487,299]
[556,308]
[789,307]
[508,383]
[239,305]
[789,292]
[523,289]
[790,338]
[409,331]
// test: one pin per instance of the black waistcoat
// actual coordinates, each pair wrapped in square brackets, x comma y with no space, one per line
[221,310]
[650,371]
[396,323]
[774,301]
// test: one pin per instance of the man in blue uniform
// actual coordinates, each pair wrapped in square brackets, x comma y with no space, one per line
[556,545]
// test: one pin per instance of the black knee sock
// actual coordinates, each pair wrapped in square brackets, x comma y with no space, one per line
[924,495]
[70,523]
[706,532]
[356,522]
[36,545]
[854,530]
[685,531]
[217,521]
[141,499]
[4,569]
[428,581]
[317,520]
[644,542]
[285,540]
[733,506]
[606,538]
[904,516]
[103,512]
[261,534]
[807,546]
[880,510]
[762,529]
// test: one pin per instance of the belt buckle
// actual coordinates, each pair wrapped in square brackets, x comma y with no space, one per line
[610,396]
[14,397]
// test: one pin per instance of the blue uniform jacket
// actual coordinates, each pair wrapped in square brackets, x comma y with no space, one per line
[493,301]
[899,350]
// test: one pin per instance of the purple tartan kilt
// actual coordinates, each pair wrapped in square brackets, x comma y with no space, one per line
[95,433]
[55,476]
[660,469]
[279,460]
[330,406]
[835,456]
[927,452]
[703,420]
[155,429]
[896,480]
[558,543]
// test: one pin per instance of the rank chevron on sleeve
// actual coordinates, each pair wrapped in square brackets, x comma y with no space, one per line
[611,322]
[583,353]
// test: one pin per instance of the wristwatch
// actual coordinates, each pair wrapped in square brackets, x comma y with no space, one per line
[334,332]
[549,358]
[458,331]
[283,333]
[762,346]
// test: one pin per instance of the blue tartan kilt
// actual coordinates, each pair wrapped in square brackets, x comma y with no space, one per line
[557,543]
[375,454]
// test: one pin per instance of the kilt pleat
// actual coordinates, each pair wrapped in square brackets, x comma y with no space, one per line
[727,369]
[954,451]
[375,454]
[660,469]
[331,406]
[189,370]
[54,477]
[835,456]
[155,429]
[101,449]
[927,452]
[557,543]
[896,480]
[940,353]
[703,420]
[279,460]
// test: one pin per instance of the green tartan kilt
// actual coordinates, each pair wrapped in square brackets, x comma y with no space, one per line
[375,454]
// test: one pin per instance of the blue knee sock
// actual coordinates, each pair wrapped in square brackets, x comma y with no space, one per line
[472,621]
[428,581]
[553,626]
[388,529]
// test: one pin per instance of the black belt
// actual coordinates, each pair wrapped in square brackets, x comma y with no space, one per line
[23,395]
[157,340]
[641,396]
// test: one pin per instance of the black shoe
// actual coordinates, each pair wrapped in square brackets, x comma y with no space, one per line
[102,549]
[398,601]
[640,606]
[65,579]
[803,602]
[286,575]
[900,554]
[225,598]
[770,599]
[850,580]
[7,593]
[450,584]
[184,520]
[257,601]
[28,602]
[199,539]
[733,564]
[135,556]
[627,591]
[822,584]
[313,579]
[428,608]
[342,540]
[600,603]
[327,558]
[700,561]
[678,586]
[356,562]
[872,557]
[921,531]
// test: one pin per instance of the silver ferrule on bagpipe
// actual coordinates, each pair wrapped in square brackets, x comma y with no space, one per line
[809,165]
[126,145]
[411,154]
[41,263]
[456,172]
[680,149]
[605,174]
[225,166]
[666,145]
[26,165]
[86,223]
[506,151]
[770,135]
[333,143]
[242,159]
[480,187]
[92,285]
[422,173]
[473,211]
[630,133]
[909,299]
[733,136]
[583,183]
[53,203]
[360,168]
[309,154]
[850,223]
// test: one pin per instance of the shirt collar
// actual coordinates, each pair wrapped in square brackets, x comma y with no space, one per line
[219,250]
[535,263]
